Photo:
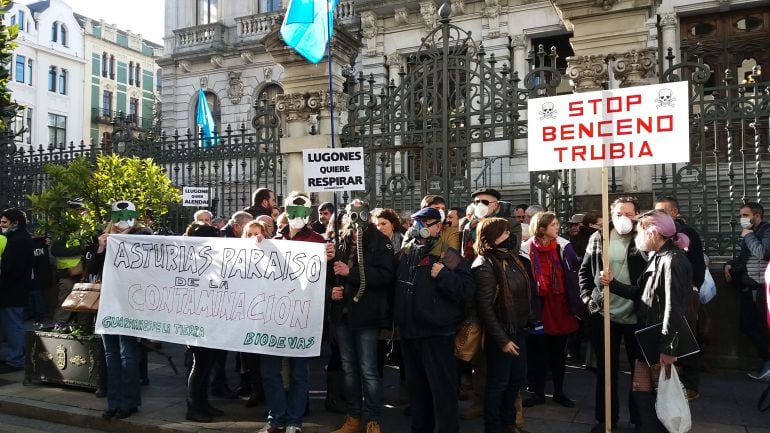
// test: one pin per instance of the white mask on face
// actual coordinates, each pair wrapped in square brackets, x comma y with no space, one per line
[746,223]
[623,224]
[641,241]
[443,215]
[298,223]
[480,211]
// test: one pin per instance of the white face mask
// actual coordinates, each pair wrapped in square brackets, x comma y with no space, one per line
[443,215]
[746,223]
[641,241]
[480,211]
[298,223]
[623,224]
[122,225]
[5,230]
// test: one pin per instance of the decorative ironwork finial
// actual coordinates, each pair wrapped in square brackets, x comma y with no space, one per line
[445,10]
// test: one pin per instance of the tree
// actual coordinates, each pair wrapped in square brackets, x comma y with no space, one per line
[8,108]
[78,201]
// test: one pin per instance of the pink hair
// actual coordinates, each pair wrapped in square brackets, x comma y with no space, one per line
[664,225]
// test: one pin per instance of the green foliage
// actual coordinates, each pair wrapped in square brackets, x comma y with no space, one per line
[8,108]
[113,178]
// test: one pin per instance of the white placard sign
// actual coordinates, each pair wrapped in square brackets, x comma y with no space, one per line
[222,293]
[195,196]
[631,126]
[339,169]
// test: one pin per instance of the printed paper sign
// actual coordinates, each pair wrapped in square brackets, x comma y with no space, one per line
[195,196]
[222,293]
[631,126]
[334,169]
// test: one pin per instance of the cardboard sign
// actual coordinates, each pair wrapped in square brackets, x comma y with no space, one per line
[334,169]
[223,293]
[195,196]
[631,126]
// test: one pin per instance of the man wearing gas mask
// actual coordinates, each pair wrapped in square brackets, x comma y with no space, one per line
[364,272]
[628,262]
[430,299]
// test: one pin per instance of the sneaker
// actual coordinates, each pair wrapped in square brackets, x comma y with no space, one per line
[270,428]
[293,429]
[763,374]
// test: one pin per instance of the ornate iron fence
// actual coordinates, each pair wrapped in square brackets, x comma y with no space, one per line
[243,160]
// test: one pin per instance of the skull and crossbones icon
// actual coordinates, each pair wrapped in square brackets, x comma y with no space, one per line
[665,98]
[547,111]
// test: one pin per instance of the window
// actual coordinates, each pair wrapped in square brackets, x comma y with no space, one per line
[57,129]
[107,103]
[207,11]
[29,125]
[13,20]
[130,73]
[21,20]
[20,64]
[52,79]
[29,72]
[269,6]
[133,110]
[138,72]
[112,67]
[63,35]
[213,102]
[54,31]
[104,65]
[63,82]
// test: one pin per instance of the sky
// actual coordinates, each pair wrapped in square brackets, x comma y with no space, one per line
[139,16]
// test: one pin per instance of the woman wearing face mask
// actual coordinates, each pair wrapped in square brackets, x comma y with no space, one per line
[662,294]
[503,305]
[121,351]
[556,304]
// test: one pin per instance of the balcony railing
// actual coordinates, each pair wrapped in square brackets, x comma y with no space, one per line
[203,37]
[103,115]
[253,28]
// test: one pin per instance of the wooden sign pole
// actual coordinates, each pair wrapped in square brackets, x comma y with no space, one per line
[606,304]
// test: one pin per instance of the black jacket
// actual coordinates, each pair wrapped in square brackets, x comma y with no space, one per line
[663,294]
[16,269]
[373,308]
[501,323]
[592,265]
[257,210]
[694,252]
[426,306]
[95,260]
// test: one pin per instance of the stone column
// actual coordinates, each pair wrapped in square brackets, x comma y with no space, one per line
[519,63]
[669,23]
[304,106]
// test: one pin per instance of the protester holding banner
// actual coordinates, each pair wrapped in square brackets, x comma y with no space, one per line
[627,264]
[429,304]
[287,408]
[360,308]
[556,303]
[503,304]
[662,295]
[121,351]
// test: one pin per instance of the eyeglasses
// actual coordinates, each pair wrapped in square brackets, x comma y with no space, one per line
[484,202]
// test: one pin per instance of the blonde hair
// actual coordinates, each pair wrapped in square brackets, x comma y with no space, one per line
[254,223]
[540,220]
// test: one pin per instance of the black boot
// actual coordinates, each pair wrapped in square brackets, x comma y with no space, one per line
[647,421]
[195,414]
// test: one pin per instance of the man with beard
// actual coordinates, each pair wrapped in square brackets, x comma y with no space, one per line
[430,299]
[262,203]
[360,307]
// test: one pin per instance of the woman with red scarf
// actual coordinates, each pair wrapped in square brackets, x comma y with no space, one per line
[555,302]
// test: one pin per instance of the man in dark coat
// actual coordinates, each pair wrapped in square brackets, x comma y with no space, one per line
[360,307]
[15,283]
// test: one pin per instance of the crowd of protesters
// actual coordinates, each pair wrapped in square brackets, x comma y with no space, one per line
[404,283]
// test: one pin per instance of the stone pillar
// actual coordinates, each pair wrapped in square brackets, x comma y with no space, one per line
[588,74]
[519,63]
[304,106]
[669,23]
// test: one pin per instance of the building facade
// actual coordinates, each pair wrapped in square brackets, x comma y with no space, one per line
[47,73]
[122,79]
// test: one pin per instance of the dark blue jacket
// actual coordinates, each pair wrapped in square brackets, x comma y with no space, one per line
[426,306]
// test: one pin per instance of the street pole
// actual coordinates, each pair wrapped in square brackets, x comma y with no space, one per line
[606,304]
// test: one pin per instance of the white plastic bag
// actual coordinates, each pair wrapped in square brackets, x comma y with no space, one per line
[709,288]
[671,404]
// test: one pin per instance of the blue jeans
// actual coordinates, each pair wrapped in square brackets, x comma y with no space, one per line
[505,375]
[358,349]
[286,408]
[122,355]
[12,322]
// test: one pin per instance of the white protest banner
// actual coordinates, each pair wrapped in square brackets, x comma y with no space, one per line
[631,126]
[195,196]
[222,293]
[334,169]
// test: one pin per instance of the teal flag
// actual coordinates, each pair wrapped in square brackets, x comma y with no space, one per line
[205,121]
[308,27]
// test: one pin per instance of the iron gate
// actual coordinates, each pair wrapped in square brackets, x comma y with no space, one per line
[243,160]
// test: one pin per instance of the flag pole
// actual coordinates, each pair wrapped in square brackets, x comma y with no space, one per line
[329,24]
